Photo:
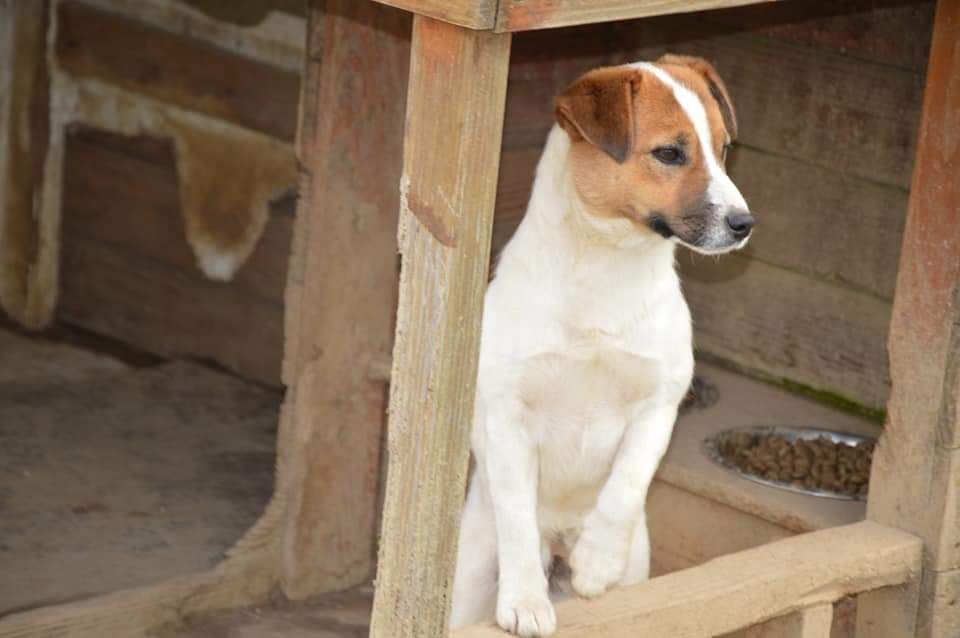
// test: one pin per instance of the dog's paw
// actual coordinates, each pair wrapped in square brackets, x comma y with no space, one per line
[528,615]
[598,560]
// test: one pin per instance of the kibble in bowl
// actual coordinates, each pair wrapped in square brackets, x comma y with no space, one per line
[807,460]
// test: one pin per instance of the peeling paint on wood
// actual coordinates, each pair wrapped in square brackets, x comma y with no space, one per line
[440,225]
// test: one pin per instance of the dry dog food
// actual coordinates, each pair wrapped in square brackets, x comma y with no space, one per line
[814,464]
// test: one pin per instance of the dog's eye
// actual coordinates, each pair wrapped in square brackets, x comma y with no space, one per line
[670,155]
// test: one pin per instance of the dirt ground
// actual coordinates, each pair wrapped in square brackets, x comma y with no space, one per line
[338,615]
[114,476]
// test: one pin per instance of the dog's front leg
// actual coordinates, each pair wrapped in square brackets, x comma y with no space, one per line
[523,606]
[602,551]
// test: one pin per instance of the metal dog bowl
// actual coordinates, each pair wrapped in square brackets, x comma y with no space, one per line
[711,447]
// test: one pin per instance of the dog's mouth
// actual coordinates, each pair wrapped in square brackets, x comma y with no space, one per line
[698,233]
[659,225]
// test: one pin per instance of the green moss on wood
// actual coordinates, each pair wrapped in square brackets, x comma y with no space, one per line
[834,400]
[825,397]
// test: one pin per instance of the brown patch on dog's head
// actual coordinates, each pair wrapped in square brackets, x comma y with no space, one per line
[598,108]
[636,153]
[715,86]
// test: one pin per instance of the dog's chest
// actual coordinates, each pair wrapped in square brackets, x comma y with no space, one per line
[577,404]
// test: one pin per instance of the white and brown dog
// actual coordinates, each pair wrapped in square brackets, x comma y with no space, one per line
[586,346]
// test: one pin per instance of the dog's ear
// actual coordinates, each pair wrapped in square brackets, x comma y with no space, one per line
[717,88]
[599,109]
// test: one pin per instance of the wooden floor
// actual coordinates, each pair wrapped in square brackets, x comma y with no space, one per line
[340,615]
[115,475]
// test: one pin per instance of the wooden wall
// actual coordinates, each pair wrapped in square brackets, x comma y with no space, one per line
[128,273]
[127,270]
[828,97]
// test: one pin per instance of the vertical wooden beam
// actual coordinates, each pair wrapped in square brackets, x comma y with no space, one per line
[342,287]
[915,482]
[812,622]
[458,81]
[24,140]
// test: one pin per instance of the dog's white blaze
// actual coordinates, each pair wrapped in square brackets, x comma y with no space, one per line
[721,190]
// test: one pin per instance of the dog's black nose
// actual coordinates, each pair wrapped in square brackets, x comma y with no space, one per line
[740,223]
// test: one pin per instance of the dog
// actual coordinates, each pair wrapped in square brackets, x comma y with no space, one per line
[586,343]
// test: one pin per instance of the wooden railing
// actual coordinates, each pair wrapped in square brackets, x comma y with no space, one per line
[797,579]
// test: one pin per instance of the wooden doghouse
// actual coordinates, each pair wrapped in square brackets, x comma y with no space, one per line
[316,535]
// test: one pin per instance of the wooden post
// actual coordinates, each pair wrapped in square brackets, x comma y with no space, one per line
[342,285]
[812,622]
[24,140]
[915,483]
[458,81]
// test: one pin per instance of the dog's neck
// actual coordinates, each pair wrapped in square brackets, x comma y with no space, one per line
[558,232]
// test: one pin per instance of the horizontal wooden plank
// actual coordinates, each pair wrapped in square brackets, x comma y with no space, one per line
[677,537]
[524,15]
[127,271]
[186,72]
[871,30]
[819,107]
[119,293]
[818,221]
[741,589]
[473,14]
[113,179]
[811,220]
[243,579]
[787,325]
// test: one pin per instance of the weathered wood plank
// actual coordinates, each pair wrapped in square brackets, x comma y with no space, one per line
[812,622]
[890,32]
[129,273]
[940,592]
[138,613]
[813,220]
[118,292]
[451,157]
[473,14]
[915,472]
[343,285]
[818,107]
[188,73]
[915,478]
[880,613]
[24,141]
[788,325]
[112,180]
[524,15]
[738,590]
[677,537]
[818,221]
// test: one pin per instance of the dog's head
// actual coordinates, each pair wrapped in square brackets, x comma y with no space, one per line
[648,143]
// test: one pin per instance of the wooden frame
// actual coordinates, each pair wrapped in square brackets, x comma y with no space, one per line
[445,221]
[915,482]
[332,355]
[447,194]
[524,15]
[796,574]
[25,289]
